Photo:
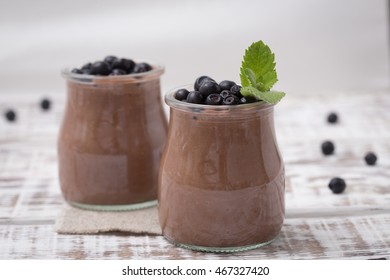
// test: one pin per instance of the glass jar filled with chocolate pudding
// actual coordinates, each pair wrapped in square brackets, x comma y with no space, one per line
[112,135]
[221,180]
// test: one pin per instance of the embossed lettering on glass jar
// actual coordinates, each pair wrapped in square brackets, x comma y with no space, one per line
[111,140]
[221,180]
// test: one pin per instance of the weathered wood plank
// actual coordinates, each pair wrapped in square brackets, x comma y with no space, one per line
[360,237]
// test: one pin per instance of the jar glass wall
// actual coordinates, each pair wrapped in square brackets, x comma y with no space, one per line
[221,181]
[111,140]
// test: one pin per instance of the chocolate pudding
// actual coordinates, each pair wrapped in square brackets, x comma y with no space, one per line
[111,140]
[221,181]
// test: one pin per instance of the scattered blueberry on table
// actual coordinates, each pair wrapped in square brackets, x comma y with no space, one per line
[327,148]
[113,66]
[10,115]
[332,118]
[337,185]
[45,104]
[370,158]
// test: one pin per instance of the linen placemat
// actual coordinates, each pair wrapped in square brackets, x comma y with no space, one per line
[73,220]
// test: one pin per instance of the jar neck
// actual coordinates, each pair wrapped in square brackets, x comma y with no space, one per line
[223,115]
[154,74]
[220,112]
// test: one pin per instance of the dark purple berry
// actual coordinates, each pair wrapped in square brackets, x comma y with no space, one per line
[100,68]
[370,158]
[181,94]
[337,185]
[76,71]
[207,80]
[225,93]
[127,65]
[86,71]
[230,100]
[45,104]
[236,90]
[208,88]
[142,67]
[199,81]
[86,66]
[194,97]
[327,148]
[214,99]
[332,118]
[10,115]
[247,99]
[118,72]
[110,59]
[226,85]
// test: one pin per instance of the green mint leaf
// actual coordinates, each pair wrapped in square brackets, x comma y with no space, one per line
[250,75]
[260,61]
[272,97]
[252,79]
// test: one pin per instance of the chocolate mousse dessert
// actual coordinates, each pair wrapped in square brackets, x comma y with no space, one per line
[221,180]
[112,135]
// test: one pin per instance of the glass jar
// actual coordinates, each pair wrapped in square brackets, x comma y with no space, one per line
[221,180]
[111,140]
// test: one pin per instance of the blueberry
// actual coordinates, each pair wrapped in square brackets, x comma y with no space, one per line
[194,97]
[226,85]
[370,158]
[225,93]
[327,148]
[230,100]
[332,118]
[214,99]
[236,90]
[199,80]
[110,59]
[124,64]
[337,185]
[142,67]
[247,99]
[117,72]
[181,94]
[208,88]
[86,71]
[45,104]
[10,115]
[100,68]
[207,80]
[86,66]
[76,71]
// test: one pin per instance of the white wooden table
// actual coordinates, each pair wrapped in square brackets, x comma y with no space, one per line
[318,225]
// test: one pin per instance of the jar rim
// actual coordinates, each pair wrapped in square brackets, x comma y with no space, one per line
[171,101]
[157,70]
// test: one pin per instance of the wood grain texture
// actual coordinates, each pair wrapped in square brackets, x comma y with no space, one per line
[319,224]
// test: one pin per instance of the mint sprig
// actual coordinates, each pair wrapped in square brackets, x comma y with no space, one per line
[258,74]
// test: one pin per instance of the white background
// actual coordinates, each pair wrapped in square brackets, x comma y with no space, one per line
[319,44]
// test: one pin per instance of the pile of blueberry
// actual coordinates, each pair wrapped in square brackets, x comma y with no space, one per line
[113,66]
[208,92]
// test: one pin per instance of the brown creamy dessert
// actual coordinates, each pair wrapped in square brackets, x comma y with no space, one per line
[221,181]
[111,140]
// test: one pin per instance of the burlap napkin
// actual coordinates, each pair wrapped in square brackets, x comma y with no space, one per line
[77,221]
